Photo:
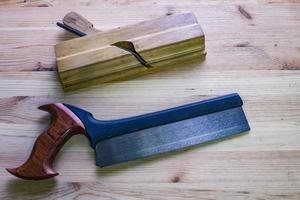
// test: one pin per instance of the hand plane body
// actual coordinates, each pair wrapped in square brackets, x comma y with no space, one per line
[129,51]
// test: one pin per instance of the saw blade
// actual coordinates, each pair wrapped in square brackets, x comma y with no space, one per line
[172,136]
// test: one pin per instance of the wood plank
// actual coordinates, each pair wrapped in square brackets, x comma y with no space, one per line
[250,41]
[58,3]
[240,175]
[23,109]
[172,83]
[103,18]
[264,136]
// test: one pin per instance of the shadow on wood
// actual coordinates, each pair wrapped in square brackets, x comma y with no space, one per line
[20,189]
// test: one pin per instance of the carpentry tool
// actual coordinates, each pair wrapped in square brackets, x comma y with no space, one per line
[122,140]
[123,52]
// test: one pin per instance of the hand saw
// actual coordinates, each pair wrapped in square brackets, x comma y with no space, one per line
[122,140]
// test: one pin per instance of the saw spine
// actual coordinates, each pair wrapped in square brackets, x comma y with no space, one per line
[99,130]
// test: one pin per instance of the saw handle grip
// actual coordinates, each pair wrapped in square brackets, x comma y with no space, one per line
[39,164]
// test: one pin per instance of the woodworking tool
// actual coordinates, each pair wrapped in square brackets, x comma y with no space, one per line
[122,140]
[125,52]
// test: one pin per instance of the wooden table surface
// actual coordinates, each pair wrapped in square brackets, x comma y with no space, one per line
[253,48]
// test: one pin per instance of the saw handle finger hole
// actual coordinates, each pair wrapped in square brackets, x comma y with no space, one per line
[39,164]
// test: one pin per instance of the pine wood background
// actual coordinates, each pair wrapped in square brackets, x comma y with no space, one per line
[253,48]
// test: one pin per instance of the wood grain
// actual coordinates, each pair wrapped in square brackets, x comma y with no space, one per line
[253,49]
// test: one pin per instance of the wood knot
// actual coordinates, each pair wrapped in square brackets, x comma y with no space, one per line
[244,44]
[170,11]
[290,66]
[21,98]
[42,67]
[42,5]
[244,12]
[75,186]
[177,178]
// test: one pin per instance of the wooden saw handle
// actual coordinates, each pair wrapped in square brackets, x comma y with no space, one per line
[64,125]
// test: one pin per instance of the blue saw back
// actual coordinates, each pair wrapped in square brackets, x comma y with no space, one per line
[99,130]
